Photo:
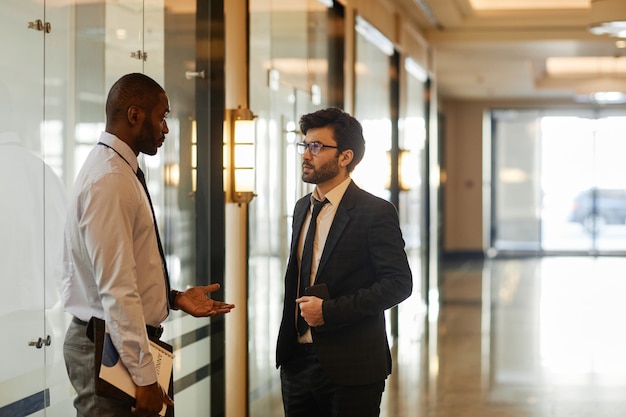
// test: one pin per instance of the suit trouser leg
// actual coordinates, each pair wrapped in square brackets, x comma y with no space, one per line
[307,392]
[78,352]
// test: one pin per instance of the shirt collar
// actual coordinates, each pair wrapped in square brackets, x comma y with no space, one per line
[120,147]
[335,195]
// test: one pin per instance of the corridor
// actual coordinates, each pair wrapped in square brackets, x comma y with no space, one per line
[523,337]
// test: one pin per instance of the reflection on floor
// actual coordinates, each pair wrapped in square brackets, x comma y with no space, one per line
[524,337]
[529,337]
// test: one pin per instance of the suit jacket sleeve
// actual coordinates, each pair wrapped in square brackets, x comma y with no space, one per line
[367,270]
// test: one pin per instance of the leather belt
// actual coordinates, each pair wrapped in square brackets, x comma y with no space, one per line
[153,332]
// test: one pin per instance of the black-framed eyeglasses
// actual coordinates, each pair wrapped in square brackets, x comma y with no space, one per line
[313,147]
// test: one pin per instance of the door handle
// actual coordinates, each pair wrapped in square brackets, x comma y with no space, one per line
[194,74]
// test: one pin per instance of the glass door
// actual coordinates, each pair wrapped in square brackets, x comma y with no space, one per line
[608,220]
[516,181]
[23,177]
[57,130]
[289,76]
[372,107]
[567,143]
[411,199]
[560,183]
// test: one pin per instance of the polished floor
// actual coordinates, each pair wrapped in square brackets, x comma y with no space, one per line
[524,337]
[529,337]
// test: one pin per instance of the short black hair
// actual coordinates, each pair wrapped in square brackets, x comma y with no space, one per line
[134,89]
[347,131]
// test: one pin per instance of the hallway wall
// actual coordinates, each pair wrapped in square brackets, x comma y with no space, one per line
[462,177]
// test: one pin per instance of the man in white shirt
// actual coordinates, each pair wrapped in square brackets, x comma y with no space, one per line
[114,266]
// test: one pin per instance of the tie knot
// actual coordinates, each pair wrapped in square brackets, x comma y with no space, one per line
[317,206]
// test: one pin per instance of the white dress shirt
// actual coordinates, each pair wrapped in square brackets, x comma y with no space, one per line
[112,266]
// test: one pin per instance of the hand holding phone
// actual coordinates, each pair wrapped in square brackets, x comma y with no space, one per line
[318,290]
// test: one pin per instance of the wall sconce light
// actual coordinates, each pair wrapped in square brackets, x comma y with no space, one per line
[406,166]
[171,174]
[408,170]
[239,138]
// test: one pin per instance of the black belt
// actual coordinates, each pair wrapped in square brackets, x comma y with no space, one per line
[153,332]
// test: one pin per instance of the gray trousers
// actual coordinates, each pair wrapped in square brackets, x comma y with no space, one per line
[78,352]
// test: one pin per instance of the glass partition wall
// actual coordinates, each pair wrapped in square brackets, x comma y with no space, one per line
[403,152]
[559,181]
[289,71]
[59,60]
[297,66]
[32,211]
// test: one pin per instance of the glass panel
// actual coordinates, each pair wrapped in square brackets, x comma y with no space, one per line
[516,180]
[560,181]
[567,143]
[169,39]
[267,212]
[610,182]
[373,109]
[22,224]
[90,45]
[288,48]
[57,130]
[412,141]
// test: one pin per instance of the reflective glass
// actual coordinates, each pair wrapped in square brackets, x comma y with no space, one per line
[289,47]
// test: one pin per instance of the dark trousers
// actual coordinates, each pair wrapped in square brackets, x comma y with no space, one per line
[307,392]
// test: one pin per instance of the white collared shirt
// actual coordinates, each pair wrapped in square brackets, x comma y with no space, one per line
[324,222]
[112,266]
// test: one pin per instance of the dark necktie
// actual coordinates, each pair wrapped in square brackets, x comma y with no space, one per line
[307,259]
[142,180]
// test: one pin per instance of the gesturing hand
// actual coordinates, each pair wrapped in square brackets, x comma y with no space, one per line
[196,301]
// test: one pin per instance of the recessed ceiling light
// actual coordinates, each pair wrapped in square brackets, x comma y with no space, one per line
[617,29]
[528,4]
[608,17]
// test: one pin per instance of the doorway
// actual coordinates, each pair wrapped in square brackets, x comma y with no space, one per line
[559,181]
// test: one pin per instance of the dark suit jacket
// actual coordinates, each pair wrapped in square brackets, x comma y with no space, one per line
[366,269]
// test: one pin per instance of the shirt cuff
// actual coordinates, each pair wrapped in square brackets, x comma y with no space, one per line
[172,298]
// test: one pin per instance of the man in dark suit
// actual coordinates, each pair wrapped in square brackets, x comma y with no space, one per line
[332,346]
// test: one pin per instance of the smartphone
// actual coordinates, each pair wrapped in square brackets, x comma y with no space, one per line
[318,290]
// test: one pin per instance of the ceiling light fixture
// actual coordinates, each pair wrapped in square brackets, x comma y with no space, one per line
[608,17]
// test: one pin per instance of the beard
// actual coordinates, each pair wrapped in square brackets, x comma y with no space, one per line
[147,143]
[323,173]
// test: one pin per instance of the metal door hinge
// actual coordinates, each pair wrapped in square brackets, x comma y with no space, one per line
[39,342]
[40,26]
[37,25]
[139,55]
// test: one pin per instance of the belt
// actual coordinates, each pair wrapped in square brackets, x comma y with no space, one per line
[153,332]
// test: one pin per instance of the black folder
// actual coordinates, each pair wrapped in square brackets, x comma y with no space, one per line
[96,333]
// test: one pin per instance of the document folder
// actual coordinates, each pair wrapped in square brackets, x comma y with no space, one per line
[112,378]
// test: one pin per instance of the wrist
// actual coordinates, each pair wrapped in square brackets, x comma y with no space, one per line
[172,299]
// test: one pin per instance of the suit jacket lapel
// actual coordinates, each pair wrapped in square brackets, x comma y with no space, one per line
[341,220]
[299,215]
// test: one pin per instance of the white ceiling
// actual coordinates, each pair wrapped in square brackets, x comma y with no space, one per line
[500,49]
